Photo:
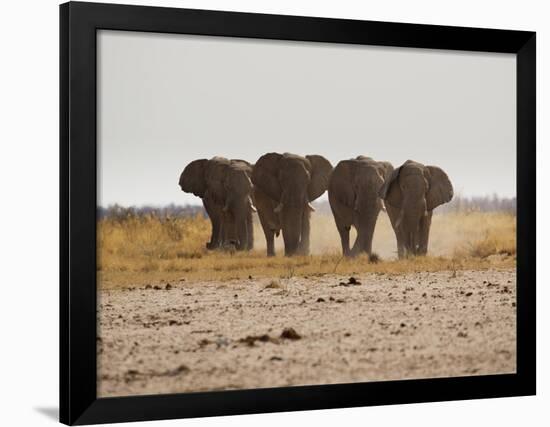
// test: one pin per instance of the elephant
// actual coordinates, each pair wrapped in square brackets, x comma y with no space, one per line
[284,186]
[410,195]
[353,196]
[226,190]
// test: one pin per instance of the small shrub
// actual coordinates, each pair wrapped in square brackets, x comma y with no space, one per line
[374,258]
[273,284]
[149,266]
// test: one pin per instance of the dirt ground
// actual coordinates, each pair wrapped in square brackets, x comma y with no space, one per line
[184,337]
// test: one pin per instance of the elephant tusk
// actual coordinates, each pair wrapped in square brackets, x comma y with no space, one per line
[383,206]
[251,203]
[310,207]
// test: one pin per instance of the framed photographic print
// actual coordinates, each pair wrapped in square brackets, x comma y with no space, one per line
[268,213]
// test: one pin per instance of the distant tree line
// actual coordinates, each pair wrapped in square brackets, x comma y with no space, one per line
[120,212]
[492,203]
[457,204]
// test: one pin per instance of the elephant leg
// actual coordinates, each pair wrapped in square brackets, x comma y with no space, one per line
[343,217]
[367,241]
[357,245]
[216,235]
[242,235]
[250,228]
[304,245]
[412,242]
[232,227]
[401,247]
[268,219]
[214,241]
[344,238]
[393,214]
[361,243]
[365,221]
[367,246]
[270,242]
[224,232]
[269,234]
[401,253]
[400,239]
[242,231]
[409,243]
[425,225]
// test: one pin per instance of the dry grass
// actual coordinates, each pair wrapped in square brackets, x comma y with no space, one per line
[147,249]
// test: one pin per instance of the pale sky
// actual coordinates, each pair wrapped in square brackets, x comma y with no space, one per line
[165,100]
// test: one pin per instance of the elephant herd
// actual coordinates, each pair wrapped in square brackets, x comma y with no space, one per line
[281,187]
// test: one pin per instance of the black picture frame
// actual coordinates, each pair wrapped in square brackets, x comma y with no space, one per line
[78,398]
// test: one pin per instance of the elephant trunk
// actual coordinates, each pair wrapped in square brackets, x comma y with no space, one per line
[411,220]
[238,211]
[291,220]
[367,208]
[242,231]
[400,217]
[280,207]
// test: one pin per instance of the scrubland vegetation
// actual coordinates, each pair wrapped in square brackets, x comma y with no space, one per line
[140,248]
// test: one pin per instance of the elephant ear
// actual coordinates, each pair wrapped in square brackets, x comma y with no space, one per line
[192,179]
[390,191]
[320,172]
[440,188]
[265,175]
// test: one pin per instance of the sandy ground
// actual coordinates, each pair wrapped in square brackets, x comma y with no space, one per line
[229,335]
